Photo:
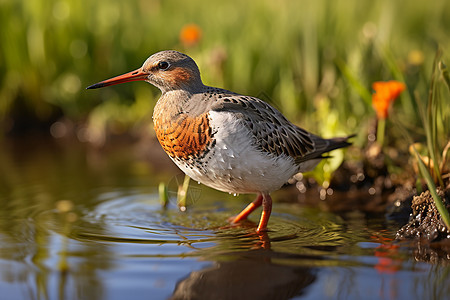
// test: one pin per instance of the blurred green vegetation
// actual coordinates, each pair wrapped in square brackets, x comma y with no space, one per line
[314,60]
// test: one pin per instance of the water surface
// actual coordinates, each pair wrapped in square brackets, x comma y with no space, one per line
[79,223]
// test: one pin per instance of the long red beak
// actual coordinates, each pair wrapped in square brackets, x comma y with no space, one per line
[135,75]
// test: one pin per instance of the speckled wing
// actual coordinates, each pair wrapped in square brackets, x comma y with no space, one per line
[274,133]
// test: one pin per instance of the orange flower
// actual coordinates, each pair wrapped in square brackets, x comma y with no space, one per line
[190,35]
[385,93]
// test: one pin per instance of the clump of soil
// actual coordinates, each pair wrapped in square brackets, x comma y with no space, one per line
[425,221]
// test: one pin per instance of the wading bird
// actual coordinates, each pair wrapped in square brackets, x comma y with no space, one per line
[230,142]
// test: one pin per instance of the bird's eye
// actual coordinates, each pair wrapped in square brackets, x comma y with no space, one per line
[163,65]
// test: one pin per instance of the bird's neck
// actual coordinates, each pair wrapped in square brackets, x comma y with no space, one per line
[170,105]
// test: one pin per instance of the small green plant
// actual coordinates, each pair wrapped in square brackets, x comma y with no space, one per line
[181,194]
[432,115]
[432,165]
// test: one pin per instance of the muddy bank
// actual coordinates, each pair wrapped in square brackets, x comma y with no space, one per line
[425,221]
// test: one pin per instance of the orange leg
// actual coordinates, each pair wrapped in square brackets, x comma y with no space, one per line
[248,210]
[267,209]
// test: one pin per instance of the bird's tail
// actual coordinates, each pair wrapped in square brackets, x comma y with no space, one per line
[339,142]
[325,146]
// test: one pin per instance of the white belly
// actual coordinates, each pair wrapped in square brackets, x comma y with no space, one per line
[235,164]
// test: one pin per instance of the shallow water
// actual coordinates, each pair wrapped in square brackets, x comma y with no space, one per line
[83,224]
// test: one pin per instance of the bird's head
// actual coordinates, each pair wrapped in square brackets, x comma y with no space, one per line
[167,70]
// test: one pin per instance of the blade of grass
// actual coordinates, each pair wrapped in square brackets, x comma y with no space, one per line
[182,193]
[431,121]
[163,194]
[445,74]
[432,187]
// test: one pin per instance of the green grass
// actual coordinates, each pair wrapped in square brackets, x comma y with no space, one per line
[301,56]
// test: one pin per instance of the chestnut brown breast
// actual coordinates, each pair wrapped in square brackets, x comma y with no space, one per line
[184,137]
